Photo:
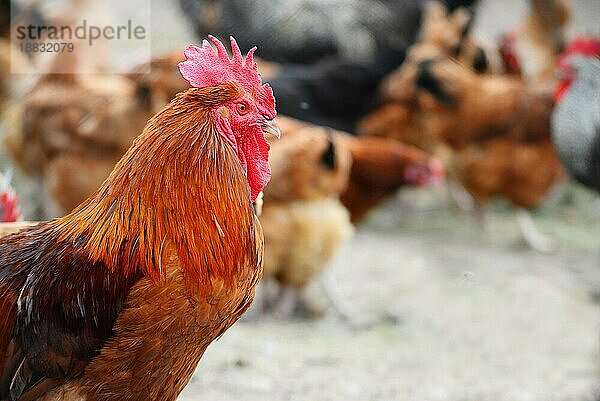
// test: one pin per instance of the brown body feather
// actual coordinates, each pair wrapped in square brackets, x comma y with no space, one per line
[491,131]
[303,220]
[377,173]
[119,299]
[523,174]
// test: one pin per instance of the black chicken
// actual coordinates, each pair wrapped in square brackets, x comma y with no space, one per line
[334,53]
[305,31]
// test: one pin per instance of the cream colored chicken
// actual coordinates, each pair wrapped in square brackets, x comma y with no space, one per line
[303,220]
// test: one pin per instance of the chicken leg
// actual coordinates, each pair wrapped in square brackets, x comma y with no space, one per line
[534,239]
[340,304]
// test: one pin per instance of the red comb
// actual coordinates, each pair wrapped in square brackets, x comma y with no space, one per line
[9,208]
[587,46]
[205,66]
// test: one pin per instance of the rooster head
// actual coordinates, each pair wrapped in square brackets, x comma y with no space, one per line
[579,47]
[242,121]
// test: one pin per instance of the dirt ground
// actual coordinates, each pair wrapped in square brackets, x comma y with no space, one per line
[476,317]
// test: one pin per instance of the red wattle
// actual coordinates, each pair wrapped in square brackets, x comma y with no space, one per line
[256,151]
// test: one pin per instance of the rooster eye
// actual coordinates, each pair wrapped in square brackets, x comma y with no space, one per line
[242,108]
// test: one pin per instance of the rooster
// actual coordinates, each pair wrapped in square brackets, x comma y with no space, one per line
[120,298]
[576,118]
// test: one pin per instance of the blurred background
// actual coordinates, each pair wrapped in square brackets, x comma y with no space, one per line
[432,225]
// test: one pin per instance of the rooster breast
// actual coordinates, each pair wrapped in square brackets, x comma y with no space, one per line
[160,336]
[118,338]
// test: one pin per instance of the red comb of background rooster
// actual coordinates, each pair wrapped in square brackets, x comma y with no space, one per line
[9,207]
[585,46]
[205,66]
[9,203]
[580,46]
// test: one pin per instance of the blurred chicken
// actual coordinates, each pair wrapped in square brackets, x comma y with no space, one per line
[533,49]
[306,31]
[458,107]
[303,220]
[576,118]
[156,88]
[74,129]
[442,34]
[492,132]
[321,181]
[380,167]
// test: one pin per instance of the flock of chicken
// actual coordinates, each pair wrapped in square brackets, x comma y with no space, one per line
[482,115]
[449,106]
[488,122]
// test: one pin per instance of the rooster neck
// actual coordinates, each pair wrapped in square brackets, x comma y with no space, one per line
[179,184]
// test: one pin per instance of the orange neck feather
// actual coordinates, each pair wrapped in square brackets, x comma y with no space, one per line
[178,185]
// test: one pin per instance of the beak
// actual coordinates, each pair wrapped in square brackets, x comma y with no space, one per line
[270,127]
